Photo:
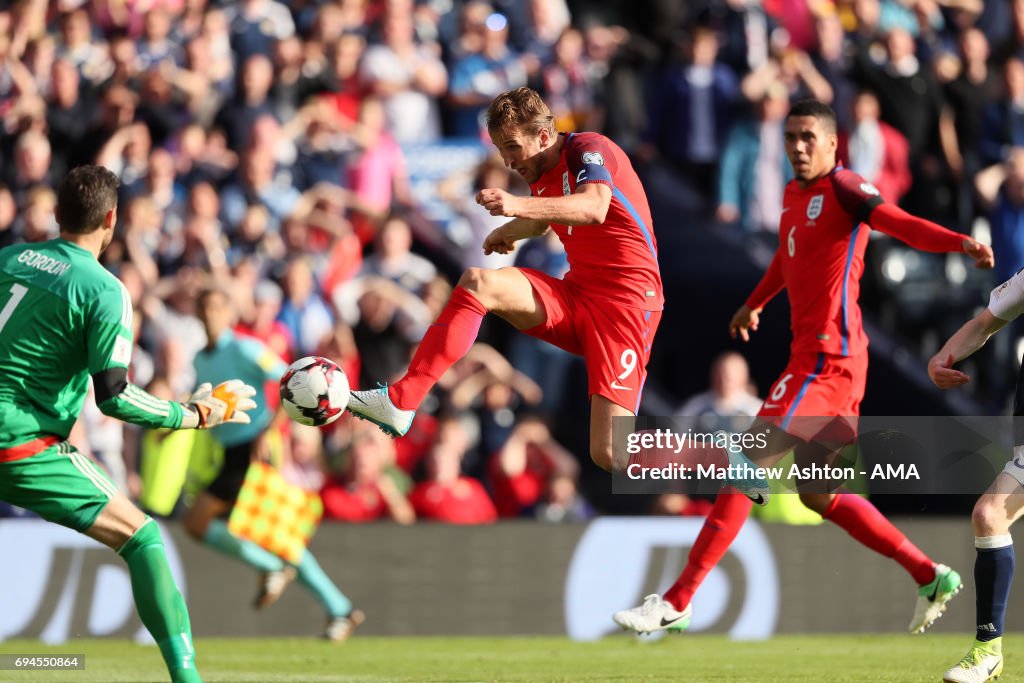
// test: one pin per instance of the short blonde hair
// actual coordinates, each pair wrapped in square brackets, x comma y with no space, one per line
[521,108]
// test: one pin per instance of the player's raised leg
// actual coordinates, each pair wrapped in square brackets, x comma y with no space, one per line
[994,513]
[136,538]
[505,292]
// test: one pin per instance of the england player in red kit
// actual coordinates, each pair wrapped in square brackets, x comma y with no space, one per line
[606,308]
[813,406]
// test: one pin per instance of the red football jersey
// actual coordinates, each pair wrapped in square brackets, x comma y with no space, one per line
[618,259]
[823,232]
[822,238]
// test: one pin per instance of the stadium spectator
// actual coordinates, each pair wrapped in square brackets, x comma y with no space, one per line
[754,168]
[478,76]
[36,222]
[68,117]
[446,495]
[407,77]
[690,116]
[255,25]
[386,321]
[32,166]
[523,470]
[911,101]
[393,259]
[568,84]
[967,96]
[8,215]
[1003,126]
[876,150]
[264,325]
[366,489]
[832,60]
[729,403]
[251,101]
[259,183]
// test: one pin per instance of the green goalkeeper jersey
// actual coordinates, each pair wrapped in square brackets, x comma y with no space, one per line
[64,318]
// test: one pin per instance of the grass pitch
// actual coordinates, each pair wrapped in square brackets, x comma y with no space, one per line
[836,659]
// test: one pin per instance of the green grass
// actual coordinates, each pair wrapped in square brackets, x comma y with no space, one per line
[836,659]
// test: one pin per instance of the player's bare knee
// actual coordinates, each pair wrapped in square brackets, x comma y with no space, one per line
[818,502]
[988,518]
[475,280]
[481,282]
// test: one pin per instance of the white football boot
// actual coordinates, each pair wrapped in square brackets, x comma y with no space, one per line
[374,405]
[654,615]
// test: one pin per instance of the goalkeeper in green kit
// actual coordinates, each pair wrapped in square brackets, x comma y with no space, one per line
[64,318]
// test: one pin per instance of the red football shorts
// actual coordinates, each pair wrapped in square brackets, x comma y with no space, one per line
[818,396]
[614,340]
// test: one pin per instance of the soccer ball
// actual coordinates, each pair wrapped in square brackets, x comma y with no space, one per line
[314,391]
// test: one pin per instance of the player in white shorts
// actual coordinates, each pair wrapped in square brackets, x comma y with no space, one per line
[1002,503]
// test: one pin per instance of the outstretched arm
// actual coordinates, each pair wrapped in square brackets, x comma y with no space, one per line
[964,342]
[927,236]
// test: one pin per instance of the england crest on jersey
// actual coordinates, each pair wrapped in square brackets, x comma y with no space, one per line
[814,206]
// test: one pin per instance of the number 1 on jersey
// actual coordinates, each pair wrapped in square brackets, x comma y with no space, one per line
[18,293]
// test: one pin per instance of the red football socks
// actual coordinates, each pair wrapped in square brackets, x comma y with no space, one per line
[445,342]
[725,520]
[864,522]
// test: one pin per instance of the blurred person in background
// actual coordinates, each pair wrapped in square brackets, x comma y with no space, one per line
[446,495]
[263,323]
[522,470]
[754,169]
[408,77]
[8,214]
[367,488]
[392,257]
[304,312]
[967,95]
[729,403]
[478,76]
[459,190]
[690,117]
[876,150]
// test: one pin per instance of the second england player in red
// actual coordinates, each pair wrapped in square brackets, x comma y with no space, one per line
[607,307]
[812,407]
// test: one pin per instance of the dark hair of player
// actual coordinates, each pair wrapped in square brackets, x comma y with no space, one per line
[85,196]
[521,108]
[819,110]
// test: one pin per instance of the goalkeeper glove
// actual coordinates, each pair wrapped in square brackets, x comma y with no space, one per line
[224,404]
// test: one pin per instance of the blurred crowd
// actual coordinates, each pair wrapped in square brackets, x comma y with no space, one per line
[262,145]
